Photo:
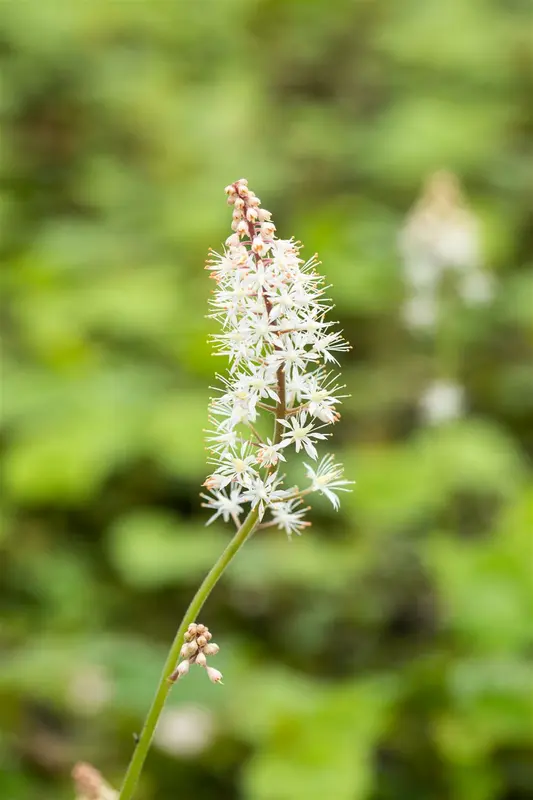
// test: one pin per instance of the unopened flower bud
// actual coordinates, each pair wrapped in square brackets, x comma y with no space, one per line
[201,641]
[200,629]
[264,215]
[252,215]
[189,649]
[215,676]
[242,228]
[259,246]
[267,230]
[200,659]
[211,649]
[192,629]
[230,189]
[181,670]
[239,204]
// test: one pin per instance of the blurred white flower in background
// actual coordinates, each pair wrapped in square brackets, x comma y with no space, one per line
[442,401]
[90,690]
[441,234]
[185,731]
[420,310]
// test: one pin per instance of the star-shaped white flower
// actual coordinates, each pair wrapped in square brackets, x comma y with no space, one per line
[327,477]
[227,507]
[300,433]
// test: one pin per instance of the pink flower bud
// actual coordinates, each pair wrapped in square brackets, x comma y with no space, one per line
[181,670]
[189,649]
[259,246]
[211,649]
[201,660]
[268,230]
[215,676]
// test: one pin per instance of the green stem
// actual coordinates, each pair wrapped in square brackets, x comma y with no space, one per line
[145,739]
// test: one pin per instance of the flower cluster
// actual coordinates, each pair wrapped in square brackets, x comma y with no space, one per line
[282,354]
[441,236]
[197,646]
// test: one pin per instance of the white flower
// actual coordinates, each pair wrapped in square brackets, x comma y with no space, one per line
[327,477]
[442,401]
[222,440]
[291,353]
[288,517]
[319,393]
[301,434]
[238,468]
[224,506]
[269,454]
[263,493]
[330,343]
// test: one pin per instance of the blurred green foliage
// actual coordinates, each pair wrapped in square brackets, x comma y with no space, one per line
[386,654]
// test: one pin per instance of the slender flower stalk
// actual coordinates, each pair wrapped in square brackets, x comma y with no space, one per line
[271,307]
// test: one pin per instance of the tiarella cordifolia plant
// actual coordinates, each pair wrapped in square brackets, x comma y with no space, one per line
[272,309]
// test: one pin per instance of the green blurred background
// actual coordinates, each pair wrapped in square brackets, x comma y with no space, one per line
[387,653]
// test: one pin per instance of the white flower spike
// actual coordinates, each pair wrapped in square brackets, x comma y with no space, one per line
[272,308]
